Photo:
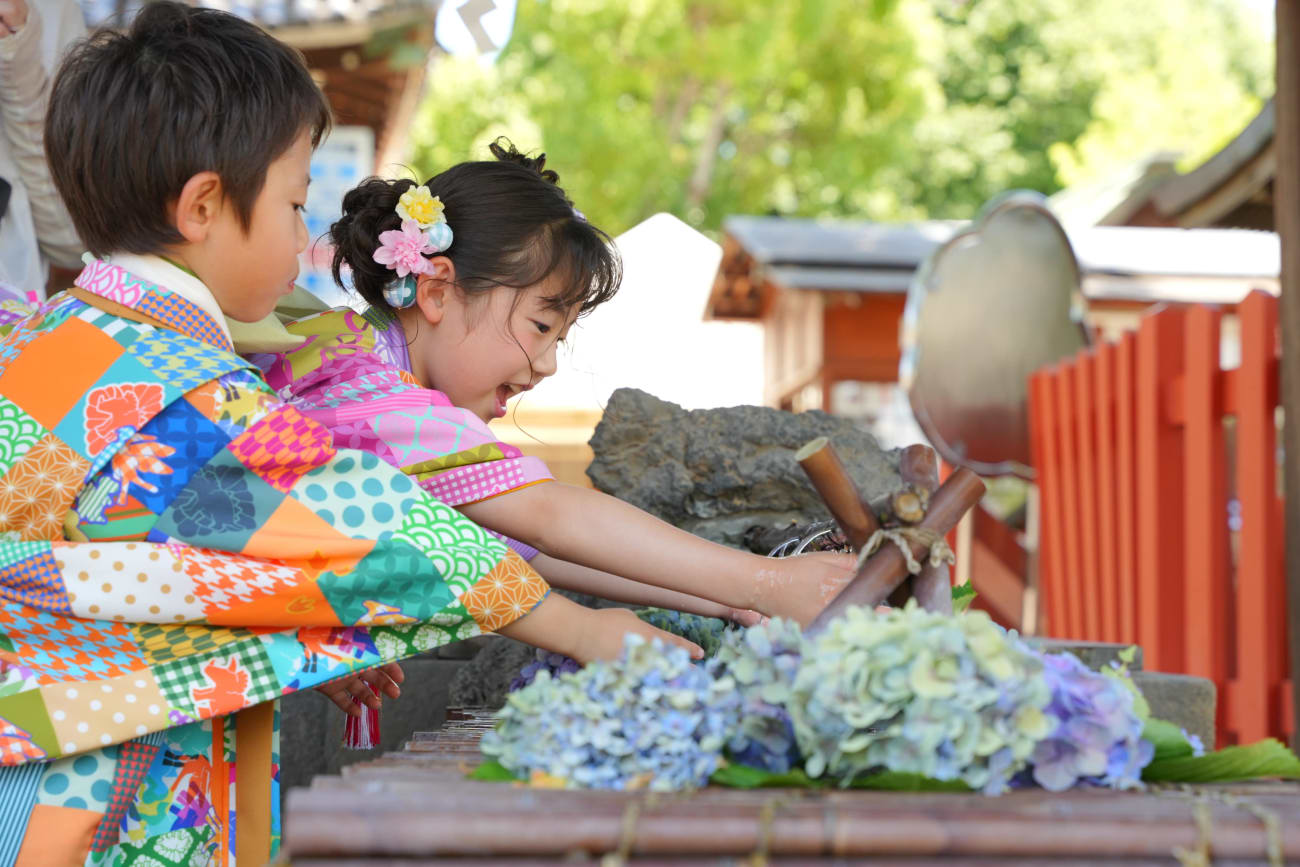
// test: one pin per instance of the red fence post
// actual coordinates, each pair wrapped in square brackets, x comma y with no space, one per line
[1107,506]
[1208,597]
[1042,441]
[1126,483]
[1254,699]
[1069,503]
[1085,372]
[1159,491]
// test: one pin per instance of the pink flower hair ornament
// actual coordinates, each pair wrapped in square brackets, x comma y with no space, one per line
[403,250]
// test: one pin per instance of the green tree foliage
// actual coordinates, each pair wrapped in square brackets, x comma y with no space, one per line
[879,109]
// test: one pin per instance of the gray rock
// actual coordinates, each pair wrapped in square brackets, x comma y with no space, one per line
[1094,654]
[718,472]
[484,680]
[1182,699]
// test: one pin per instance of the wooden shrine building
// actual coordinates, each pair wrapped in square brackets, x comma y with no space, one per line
[369,56]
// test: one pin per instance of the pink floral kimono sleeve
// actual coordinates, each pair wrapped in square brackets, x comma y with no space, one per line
[352,376]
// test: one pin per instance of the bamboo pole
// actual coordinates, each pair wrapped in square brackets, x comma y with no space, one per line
[835,486]
[886,569]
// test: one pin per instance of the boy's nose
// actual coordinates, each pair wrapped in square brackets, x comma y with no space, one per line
[303,236]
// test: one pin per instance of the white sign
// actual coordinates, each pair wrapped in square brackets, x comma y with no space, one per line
[341,162]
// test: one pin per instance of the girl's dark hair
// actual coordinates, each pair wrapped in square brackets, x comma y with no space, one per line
[134,115]
[512,225]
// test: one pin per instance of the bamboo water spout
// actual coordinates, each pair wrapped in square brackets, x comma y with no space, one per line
[884,575]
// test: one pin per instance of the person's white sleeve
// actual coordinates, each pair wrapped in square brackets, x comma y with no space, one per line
[24,97]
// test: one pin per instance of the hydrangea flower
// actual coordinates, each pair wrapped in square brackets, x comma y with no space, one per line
[1097,735]
[707,632]
[763,661]
[552,663]
[949,697]
[649,720]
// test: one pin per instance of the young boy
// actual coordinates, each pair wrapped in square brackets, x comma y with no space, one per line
[177,547]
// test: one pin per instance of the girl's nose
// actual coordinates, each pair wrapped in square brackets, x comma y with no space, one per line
[545,365]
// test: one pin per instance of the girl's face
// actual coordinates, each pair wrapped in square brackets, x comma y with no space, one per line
[478,350]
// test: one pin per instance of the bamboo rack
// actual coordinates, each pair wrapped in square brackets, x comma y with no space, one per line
[415,804]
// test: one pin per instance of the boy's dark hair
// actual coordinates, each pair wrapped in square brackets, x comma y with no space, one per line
[512,225]
[134,115]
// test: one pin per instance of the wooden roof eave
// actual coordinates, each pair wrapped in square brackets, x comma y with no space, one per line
[1226,180]
[311,36]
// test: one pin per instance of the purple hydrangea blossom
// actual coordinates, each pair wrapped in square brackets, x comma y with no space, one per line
[548,661]
[650,720]
[1097,739]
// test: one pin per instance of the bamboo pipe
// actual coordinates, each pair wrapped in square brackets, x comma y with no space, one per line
[886,569]
[835,486]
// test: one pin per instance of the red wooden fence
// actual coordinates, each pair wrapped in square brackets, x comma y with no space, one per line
[1141,447]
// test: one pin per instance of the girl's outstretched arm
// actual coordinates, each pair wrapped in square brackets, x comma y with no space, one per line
[584,579]
[563,626]
[596,530]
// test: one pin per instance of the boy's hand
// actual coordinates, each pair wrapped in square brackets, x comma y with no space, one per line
[13,15]
[343,691]
[603,639]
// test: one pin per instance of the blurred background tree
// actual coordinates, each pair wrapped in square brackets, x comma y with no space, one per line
[876,109]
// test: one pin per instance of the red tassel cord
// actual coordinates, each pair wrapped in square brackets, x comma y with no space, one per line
[362,732]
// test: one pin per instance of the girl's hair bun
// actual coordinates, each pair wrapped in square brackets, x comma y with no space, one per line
[368,210]
[504,150]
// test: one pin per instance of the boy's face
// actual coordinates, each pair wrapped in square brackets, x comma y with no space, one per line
[248,272]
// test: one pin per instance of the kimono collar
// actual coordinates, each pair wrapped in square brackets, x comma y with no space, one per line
[154,286]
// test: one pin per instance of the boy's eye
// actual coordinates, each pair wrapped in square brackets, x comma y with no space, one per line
[302,209]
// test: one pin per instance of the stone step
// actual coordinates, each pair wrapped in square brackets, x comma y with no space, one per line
[1182,699]
[1094,654]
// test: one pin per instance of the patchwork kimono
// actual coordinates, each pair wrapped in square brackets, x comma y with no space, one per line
[353,376]
[178,548]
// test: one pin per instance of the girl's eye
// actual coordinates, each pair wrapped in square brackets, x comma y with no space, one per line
[542,327]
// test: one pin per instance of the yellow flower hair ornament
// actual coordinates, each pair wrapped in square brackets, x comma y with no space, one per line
[422,207]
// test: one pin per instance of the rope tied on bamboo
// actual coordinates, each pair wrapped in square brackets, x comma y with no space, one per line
[1201,855]
[904,538]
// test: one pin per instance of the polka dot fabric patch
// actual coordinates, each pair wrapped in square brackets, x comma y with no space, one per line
[355,497]
[82,782]
[94,714]
[128,582]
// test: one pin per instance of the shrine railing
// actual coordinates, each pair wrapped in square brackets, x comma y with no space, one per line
[1161,510]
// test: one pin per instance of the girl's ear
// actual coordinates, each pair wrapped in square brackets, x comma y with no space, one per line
[198,205]
[433,286]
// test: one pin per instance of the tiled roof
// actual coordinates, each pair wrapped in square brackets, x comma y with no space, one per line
[268,13]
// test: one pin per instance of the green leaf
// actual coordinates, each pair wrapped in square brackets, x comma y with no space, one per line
[1266,758]
[898,781]
[746,777]
[1168,739]
[737,776]
[491,771]
[962,597]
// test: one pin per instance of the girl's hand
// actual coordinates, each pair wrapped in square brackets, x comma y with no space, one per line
[800,587]
[603,638]
[347,691]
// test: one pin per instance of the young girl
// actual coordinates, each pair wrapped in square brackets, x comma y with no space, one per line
[179,548]
[472,279]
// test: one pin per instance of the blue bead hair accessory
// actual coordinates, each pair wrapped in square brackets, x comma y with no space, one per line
[401,292]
